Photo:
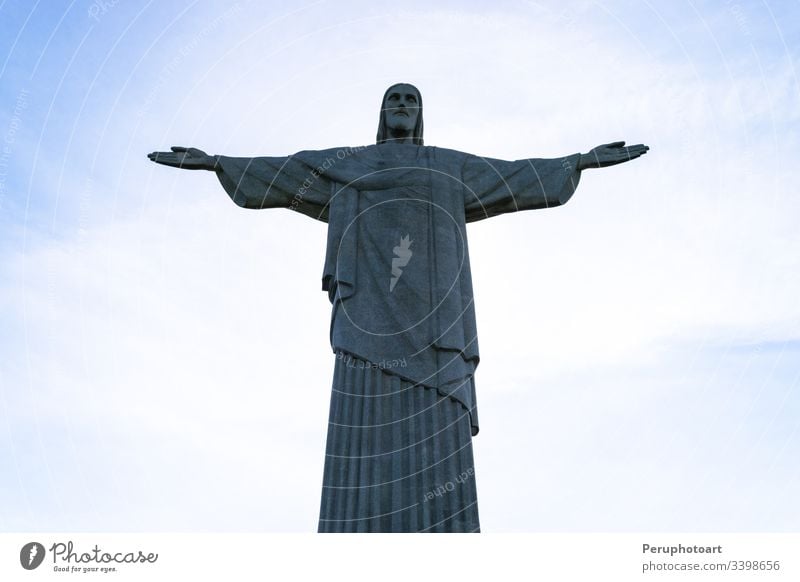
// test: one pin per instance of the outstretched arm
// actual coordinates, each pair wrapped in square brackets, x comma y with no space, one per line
[610,154]
[291,182]
[493,187]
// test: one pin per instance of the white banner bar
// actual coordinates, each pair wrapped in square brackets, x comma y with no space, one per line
[386,557]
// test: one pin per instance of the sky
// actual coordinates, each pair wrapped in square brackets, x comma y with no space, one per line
[164,354]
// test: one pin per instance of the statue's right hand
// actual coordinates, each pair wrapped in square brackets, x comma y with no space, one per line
[185,158]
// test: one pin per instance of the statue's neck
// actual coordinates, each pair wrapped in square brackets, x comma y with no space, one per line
[401,136]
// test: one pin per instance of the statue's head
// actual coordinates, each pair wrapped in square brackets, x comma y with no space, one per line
[401,112]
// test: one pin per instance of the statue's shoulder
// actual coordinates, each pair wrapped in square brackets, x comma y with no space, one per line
[330,156]
[368,153]
[446,155]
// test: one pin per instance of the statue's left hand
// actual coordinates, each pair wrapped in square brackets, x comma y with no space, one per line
[185,158]
[610,154]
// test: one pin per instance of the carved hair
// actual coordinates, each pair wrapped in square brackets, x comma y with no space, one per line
[383,131]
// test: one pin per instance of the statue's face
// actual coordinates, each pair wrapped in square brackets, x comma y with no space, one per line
[401,107]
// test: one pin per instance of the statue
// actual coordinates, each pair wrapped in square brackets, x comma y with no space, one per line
[397,272]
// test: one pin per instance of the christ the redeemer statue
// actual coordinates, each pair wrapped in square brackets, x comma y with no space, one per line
[403,409]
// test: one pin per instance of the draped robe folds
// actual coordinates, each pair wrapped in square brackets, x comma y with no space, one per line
[397,267]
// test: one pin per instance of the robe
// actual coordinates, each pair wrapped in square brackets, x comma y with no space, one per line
[397,268]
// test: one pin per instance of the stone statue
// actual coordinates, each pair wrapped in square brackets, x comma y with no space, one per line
[397,272]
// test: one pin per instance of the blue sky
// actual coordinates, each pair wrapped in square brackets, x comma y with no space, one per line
[640,346]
